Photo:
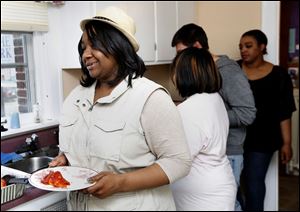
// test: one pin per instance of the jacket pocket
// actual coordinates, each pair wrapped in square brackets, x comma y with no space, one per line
[66,128]
[106,139]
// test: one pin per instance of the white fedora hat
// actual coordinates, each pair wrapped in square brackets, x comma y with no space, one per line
[118,19]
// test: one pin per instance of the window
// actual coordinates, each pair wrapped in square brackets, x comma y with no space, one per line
[17,73]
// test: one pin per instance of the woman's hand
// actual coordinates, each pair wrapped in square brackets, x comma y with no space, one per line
[59,160]
[107,183]
[286,153]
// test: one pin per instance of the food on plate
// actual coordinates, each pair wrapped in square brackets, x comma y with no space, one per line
[3,183]
[55,179]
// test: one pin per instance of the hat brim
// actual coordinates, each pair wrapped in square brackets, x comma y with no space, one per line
[131,39]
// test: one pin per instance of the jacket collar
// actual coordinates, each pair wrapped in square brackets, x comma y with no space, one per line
[88,94]
[121,88]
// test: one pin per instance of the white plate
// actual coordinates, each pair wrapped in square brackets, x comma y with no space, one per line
[77,176]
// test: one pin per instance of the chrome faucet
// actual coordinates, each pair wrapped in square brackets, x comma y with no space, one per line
[3,129]
[30,145]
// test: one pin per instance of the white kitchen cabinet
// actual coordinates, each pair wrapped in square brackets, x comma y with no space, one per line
[169,16]
[68,21]
[186,12]
[166,26]
[156,23]
[143,15]
[155,26]
[157,29]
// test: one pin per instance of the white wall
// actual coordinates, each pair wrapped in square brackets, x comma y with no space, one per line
[270,26]
[225,21]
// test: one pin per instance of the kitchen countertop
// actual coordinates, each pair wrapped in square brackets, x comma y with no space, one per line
[30,128]
[29,194]
[35,199]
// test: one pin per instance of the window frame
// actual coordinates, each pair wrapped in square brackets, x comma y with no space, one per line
[30,76]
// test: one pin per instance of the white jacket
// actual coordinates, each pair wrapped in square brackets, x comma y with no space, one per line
[108,136]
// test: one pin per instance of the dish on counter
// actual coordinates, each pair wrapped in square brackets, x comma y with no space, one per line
[13,191]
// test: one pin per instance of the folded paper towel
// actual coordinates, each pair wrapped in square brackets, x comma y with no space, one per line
[6,157]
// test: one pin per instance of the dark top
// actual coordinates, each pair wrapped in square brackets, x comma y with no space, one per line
[274,101]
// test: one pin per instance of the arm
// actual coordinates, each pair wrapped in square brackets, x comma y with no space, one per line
[109,183]
[286,152]
[165,136]
[287,106]
[237,96]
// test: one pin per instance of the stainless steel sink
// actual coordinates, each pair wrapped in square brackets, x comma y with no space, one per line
[50,151]
[30,165]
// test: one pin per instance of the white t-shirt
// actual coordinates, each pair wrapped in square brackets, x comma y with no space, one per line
[210,184]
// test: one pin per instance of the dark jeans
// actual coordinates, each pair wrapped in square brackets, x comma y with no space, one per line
[255,169]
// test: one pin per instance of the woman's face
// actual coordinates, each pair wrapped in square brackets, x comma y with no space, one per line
[249,49]
[99,66]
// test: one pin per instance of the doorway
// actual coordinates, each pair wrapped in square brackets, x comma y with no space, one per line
[289,59]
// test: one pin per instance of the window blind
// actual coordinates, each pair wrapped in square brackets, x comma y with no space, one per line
[24,16]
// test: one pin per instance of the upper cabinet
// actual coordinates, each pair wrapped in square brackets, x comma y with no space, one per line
[143,13]
[66,20]
[186,12]
[156,22]
[166,26]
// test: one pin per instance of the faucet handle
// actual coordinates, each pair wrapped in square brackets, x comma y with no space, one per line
[28,141]
[34,137]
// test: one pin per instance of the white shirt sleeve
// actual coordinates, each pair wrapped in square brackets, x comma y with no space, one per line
[165,136]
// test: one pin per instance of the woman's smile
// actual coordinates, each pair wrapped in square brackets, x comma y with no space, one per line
[91,65]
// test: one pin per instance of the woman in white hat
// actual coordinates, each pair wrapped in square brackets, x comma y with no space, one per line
[120,124]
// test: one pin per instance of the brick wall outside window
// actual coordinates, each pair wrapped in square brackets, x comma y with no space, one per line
[22,94]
